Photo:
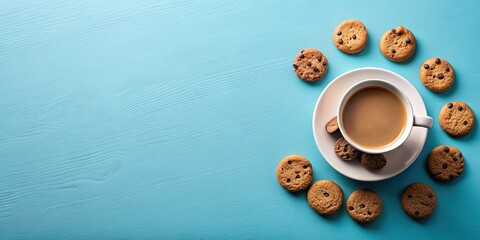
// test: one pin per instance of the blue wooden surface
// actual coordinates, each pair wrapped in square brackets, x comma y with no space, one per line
[166,119]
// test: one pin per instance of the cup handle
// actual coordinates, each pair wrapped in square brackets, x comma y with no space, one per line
[422,121]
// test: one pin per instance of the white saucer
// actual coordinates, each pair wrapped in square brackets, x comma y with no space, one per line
[397,160]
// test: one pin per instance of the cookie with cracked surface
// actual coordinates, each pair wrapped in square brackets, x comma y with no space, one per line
[325,197]
[437,75]
[398,44]
[350,36]
[310,65]
[419,200]
[456,119]
[364,205]
[373,161]
[445,163]
[332,125]
[345,150]
[294,173]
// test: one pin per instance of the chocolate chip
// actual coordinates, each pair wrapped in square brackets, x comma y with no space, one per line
[316,69]
[302,51]
[408,40]
[354,36]
[454,158]
[417,212]
[289,162]
[430,195]
[340,41]
[465,122]
[445,166]
[324,63]
[298,176]
[288,179]
[319,59]
[446,149]
[326,194]
[460,155]
[305,166]
[393,51]
[295,66]
[369,213]
[460,108]
[425,66]
[362,205]
[309,64]
[449,105]
[350,208]
[409,196]
[339,33]
[447,69]
[440,76]
[345,148]
[451,176]
[437,61]
[302,56]
[394,30]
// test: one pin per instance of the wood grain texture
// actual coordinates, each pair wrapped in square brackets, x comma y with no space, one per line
[167,119]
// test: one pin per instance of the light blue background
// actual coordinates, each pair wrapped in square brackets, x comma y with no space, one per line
[167,119]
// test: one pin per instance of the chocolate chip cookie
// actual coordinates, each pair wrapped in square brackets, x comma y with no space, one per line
[325,197]
[350,36]
[310,65]
[332,125]
[398,44]
[294,173]
[419,200]
[437,75]
[456,119]
[445,163]
[364,205]
[344,150]
[373,161]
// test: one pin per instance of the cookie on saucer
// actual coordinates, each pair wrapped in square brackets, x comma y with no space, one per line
[373,161]
[345,150]
[332,125]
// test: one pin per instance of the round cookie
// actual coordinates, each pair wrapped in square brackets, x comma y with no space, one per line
[373,161]
[350,36]
[364,205]
[344,150]
[325,197]
[294,173]
[437,75]
[310,65]
[456,119]
[445,163]
[419,200]
[398,44]
[332,125]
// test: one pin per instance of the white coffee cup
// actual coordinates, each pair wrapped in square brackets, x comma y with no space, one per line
[411,120]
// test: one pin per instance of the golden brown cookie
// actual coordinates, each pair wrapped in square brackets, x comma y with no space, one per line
[373,161]
[294,173]
[437,75]
[445,163]
[332,125]
[456,119]
[345,150]
[419,200]
[398,44]
[325,197]
[364,205]
[310,65]
[350,36]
